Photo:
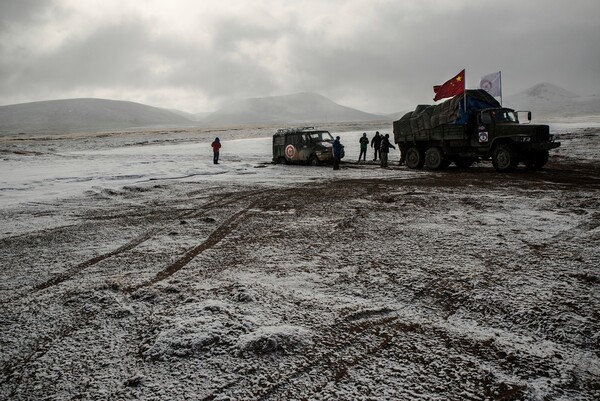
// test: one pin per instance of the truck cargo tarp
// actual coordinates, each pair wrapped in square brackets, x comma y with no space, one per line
[452,111]
[477,99]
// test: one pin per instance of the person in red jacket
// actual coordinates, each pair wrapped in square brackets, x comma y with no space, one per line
[216,145]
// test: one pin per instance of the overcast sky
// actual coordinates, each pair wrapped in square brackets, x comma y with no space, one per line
[380,56]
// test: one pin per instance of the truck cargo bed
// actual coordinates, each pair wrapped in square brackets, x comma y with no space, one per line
[442,133]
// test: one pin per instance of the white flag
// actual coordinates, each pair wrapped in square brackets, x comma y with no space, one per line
[492,84]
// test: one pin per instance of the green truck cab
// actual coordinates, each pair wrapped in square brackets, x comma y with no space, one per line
[463,131]
[304,145]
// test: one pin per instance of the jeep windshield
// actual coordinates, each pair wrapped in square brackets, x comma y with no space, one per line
[320,136]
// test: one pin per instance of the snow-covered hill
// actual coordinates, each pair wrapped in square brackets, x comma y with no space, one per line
[75,115]
[552,103]
[296,108]
[191,116]
[71,115]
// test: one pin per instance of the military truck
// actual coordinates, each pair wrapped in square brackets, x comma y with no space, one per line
[306,145]
[463,131]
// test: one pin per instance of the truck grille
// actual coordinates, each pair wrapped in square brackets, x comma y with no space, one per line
[542,133]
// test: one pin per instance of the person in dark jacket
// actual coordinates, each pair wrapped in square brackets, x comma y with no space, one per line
[364,143]
[376,145]
[385,149]
[337,149]
[216,146]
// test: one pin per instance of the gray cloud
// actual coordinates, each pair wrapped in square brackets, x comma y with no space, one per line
[17,13]
[376,55]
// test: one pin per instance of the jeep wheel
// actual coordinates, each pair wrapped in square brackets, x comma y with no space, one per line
[434,159]
[313,161]
[414,158]
[537,160]
[504,158]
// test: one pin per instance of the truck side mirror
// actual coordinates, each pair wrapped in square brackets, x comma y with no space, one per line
[528,116]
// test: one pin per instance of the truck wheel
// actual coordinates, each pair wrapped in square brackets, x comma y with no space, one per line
[313,161]
[537,160]
[281,160]
[504,158]
[464,162]
[434,159]
[414,158]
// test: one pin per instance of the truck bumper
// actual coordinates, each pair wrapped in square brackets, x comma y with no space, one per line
[545,146]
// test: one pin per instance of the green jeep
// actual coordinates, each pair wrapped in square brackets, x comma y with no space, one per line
[304,145]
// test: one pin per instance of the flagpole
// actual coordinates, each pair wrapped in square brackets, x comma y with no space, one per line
[465,94]
[500,87]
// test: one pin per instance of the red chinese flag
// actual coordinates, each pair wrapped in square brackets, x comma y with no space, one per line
[452,87]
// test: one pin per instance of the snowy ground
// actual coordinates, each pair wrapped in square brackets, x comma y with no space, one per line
[134,268]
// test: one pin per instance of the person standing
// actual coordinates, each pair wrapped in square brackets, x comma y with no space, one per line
[337,149]
[364,143]
[216,146]
[385,149]
[376,145]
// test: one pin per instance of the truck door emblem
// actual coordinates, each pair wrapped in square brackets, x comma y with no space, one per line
[483,136]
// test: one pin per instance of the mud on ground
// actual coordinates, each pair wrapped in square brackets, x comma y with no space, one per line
[455,285]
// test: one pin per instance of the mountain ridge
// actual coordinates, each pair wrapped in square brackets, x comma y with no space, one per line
[83,114]
[547,91]
[553,103]
[302,107]
[92,114]
[547,101]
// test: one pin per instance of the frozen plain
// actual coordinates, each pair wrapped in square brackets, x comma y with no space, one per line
[134,268]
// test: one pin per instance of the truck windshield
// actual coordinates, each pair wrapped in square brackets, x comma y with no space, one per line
[505,116]
[320,136]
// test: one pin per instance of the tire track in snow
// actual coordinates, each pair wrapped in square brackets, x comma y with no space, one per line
[542,249]
[582,228]
[213,239]
[90,262]
[220,201]
[64,276]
